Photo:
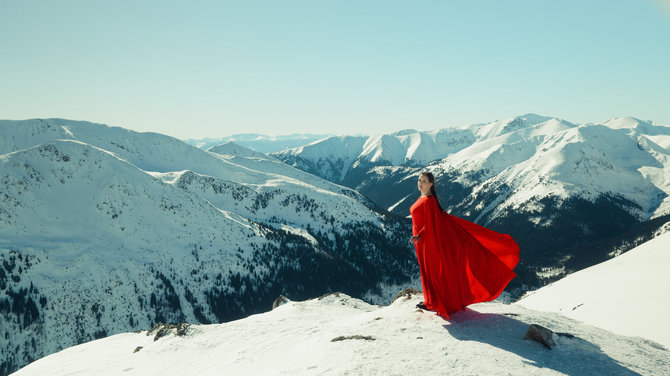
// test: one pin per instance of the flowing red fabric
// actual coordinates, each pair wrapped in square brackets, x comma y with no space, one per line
[461,263]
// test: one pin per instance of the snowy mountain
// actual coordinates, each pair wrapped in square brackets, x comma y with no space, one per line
[339,158]
[340,335]
[625,157]
[258,142]
[626,295]
[555,186]
[104,230]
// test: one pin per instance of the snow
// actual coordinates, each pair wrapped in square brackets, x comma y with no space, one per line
[501,127]
[400,148]
[627,295]
[300,232]
[563,160]
[301,338]
[628,122]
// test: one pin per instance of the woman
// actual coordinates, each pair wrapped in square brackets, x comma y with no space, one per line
[461,263]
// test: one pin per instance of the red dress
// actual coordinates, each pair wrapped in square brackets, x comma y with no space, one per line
[461,263]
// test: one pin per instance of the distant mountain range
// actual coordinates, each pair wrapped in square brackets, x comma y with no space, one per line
[258,142]
[104,230]
[549,155]
[600,187]
[571,195]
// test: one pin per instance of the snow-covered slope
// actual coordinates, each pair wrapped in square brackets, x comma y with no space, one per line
[104,230]
[330,158]
[627,295]
[339,335]
[336,157]
[509,126]
[550,160]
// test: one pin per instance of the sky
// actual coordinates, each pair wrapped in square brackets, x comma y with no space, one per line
[193,69]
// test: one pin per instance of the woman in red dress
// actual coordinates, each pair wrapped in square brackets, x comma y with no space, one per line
[461,263]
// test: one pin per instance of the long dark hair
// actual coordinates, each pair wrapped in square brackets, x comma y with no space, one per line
[431,179]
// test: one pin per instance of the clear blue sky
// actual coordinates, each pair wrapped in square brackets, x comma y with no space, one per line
[215,68]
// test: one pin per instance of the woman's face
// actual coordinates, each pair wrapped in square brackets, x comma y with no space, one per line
[424,185]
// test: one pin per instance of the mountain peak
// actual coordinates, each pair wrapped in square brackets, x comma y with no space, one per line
[501,127]
[627,122]
[532,118]
[404,132]
[230,148]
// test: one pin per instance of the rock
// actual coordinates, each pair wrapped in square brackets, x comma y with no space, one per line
[335,294]
[182,327]
[161,330]
[344,338]
[138,348]
[280,301]
[407,293]
[540,334]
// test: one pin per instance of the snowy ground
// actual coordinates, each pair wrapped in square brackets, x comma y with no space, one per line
[297,339]
[627,295]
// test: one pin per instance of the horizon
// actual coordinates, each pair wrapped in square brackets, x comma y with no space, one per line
[203,70]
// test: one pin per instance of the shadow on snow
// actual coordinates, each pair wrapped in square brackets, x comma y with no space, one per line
[571,356]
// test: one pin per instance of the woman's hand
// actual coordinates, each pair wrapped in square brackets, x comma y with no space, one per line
[414,239]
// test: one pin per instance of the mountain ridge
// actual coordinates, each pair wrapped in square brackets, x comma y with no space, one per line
[106,230]
[535,178]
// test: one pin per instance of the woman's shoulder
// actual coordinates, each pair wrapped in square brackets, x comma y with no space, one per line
[425,200]
[430,198]
[420,201]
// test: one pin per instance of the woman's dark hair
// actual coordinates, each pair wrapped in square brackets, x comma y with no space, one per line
[431,179]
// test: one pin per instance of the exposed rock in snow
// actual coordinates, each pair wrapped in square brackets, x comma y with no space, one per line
[539,333]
